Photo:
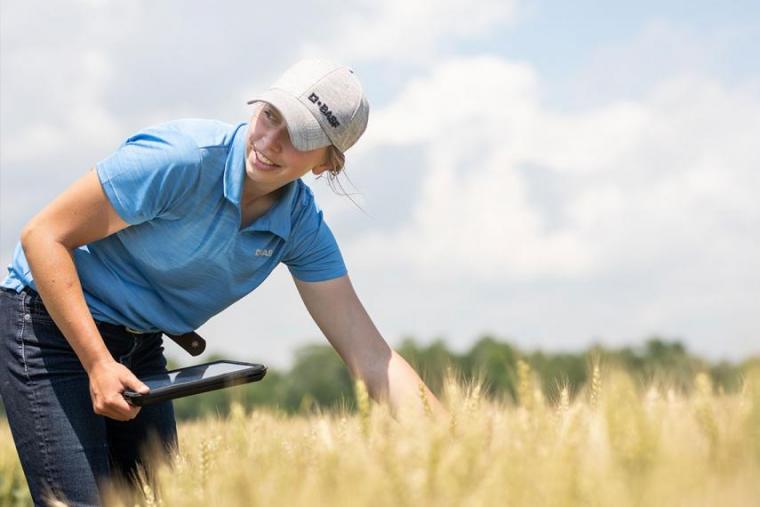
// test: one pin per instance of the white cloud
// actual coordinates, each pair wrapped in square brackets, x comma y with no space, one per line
[74,112]
[458,99]
[647,182]
[403,30]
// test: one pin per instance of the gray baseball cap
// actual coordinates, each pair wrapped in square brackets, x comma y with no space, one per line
[322,102]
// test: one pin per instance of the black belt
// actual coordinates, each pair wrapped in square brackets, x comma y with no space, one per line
[191,342]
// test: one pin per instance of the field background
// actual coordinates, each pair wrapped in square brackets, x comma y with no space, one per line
[562,172]
[666,434]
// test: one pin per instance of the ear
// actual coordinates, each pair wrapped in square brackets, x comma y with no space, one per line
[321,168]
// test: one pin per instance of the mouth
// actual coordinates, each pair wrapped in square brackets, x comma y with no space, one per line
[262,161]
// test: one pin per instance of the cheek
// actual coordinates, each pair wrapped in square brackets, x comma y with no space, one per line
[297,161]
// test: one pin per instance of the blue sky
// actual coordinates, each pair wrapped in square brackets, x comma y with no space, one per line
[552,173]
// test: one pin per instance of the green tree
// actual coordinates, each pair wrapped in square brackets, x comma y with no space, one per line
[318,376]
[493,362]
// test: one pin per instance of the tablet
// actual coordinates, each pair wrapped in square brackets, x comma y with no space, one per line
[196,379]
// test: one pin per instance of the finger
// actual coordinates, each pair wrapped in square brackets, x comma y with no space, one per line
[133,411]
[123,413]
[134,384]
[116,407]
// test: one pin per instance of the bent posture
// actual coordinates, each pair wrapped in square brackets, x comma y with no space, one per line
[184,219]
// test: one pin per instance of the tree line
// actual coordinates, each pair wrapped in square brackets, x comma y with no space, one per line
[318,377]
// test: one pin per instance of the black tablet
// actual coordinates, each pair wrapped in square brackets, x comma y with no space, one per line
[196,379]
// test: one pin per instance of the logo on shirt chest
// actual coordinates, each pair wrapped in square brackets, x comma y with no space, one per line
[264,252]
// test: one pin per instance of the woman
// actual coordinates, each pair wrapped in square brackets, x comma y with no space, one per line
[181,221]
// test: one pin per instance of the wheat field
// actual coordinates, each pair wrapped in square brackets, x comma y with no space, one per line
[617,443]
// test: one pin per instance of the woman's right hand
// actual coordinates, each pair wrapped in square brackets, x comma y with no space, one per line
[108,380]
[80,215]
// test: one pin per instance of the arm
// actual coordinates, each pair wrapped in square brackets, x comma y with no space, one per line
[336,309]
[80,215]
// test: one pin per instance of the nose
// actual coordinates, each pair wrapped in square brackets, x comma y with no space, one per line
[273,138]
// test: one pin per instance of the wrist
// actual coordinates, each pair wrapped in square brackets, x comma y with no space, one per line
[95,363]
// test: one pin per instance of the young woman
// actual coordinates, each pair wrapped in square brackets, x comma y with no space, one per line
[180,222]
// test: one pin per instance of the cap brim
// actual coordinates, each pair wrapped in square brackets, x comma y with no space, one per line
[305,132]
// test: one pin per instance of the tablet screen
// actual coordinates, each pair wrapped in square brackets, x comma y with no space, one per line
[193,374]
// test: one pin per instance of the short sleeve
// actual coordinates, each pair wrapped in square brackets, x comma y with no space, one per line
[149,173]
[313,254]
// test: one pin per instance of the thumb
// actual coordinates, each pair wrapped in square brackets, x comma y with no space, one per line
[134,384]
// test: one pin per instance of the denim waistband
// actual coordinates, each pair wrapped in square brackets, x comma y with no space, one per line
[118,328]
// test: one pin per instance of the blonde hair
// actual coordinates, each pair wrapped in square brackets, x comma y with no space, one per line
[336,159]
[337,162]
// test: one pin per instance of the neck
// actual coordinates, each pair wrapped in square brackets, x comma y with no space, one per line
[253,192]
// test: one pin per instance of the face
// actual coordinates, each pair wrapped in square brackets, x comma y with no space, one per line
[270,158]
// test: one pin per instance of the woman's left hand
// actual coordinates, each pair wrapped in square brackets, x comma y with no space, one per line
[336,309]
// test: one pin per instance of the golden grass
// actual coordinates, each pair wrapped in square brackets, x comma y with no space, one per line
[13,490]
[614,444]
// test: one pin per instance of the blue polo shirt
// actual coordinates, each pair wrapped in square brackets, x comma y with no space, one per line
[184,257]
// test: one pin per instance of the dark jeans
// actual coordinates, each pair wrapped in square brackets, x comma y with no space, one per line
[65,448]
